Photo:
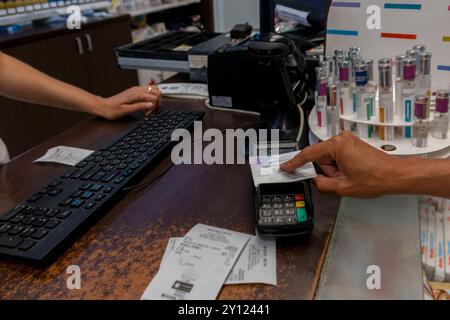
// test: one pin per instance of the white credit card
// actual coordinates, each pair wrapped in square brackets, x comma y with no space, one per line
[256,264]
[198,266]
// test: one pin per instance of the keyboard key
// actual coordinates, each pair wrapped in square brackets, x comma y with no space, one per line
[278,221]
[299,197]
[64,214]
[55,192]
[9,241]
[119,180]
[108,189]
[291,220]
[29,210]
[52,213]
[289,205]
[278,212]
[290,212]
[76,203]
[11,214]
[267,213]
[85,187]
[65,203]
[17,219]
[87,195]
[27,232]
[288,198]
[26,245]
[39,234]
[4,228]
[90,205]
[266,206]
[55,183]
[15,230]
[99,197]
[96,187]
[51,224]
[266,221]
[278,205]
[28,221]
[43,191]
[34,198]
[39,222]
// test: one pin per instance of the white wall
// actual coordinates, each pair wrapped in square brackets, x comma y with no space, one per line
[228,13]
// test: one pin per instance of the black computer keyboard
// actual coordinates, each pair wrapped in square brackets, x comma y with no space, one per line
[37,228]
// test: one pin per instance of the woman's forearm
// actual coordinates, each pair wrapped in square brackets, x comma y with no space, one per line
[421,176]
[22,82]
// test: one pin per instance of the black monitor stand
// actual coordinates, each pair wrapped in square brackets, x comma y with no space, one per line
[266,16]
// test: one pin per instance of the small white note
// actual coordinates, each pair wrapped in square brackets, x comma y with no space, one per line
[65,155]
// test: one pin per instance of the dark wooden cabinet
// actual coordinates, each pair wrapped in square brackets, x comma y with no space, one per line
[84,58]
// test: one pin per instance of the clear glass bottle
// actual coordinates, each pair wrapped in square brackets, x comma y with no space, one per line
[354,60]
[420,48]
[364,131]
[421,125]
[439,127]
[332,112]
[423,78]
[328,63]
[386,112]
[321,101]
[372,88]
[398,86]
[408,92]
[339,57]
[345,89]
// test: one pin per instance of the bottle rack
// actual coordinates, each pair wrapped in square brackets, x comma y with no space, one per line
[403,146]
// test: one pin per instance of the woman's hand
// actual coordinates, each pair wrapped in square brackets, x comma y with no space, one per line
[129,101]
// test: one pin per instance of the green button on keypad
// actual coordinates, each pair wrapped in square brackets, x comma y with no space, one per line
[301,215]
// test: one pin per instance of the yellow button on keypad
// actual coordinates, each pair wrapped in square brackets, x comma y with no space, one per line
[300,204]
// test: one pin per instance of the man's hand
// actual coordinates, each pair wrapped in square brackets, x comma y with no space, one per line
[131,100]
[350,167]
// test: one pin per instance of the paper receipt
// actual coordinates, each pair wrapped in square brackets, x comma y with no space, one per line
[256,264]
[266,170]
[198,266]
[65,155]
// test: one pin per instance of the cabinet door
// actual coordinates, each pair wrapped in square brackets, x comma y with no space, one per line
[62,57]
[106,77]
[23,125]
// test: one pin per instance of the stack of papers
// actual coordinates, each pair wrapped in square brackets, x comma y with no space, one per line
[197,266]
